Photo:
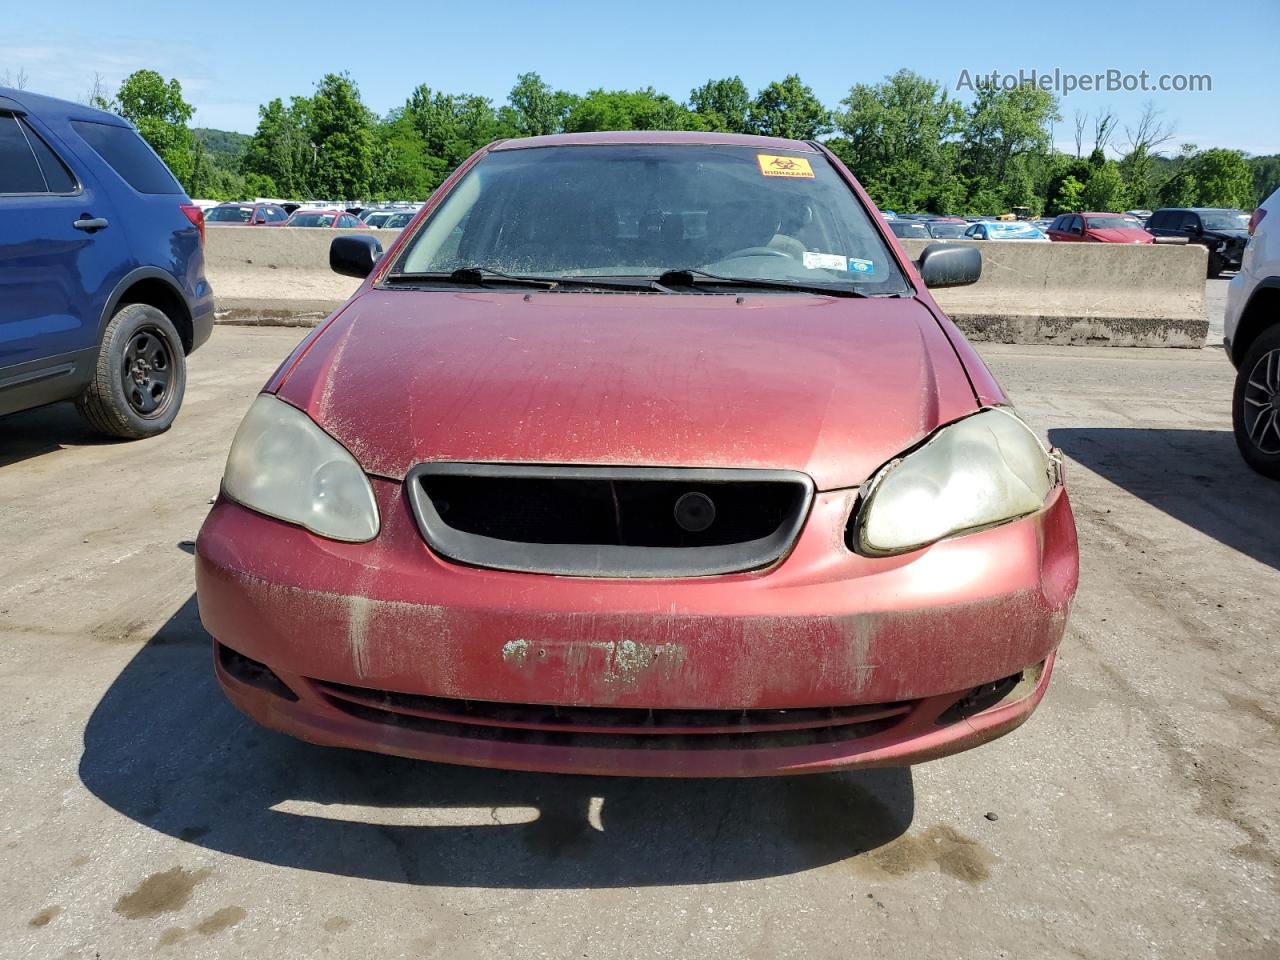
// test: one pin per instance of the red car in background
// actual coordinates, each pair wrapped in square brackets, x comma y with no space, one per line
[327,219]
[246,215]
[647,454]
[1098,228]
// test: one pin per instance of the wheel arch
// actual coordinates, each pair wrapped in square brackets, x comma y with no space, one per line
[154,287]
[1262,311]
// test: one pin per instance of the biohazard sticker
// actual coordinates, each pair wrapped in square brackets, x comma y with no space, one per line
[772,166]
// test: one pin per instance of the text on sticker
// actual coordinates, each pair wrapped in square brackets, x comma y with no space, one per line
[774,166]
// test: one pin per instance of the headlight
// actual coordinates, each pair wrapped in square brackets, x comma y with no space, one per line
[285,466]
[974,473]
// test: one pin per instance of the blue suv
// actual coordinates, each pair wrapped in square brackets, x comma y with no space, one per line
[102,286]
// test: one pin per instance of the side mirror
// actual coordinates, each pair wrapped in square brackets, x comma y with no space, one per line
[354,256]
[1191,228]
[944,265]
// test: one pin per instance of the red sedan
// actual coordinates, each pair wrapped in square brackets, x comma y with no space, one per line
[326,219]
[642,454]
[1098,228]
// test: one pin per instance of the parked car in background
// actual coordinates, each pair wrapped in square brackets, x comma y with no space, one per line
[400,220]
[1004,230]
[1252,340]
[813,603]
[246,215]
[1097,228]
[378,218]
[946,228]
[909,229]
[1142,216]
[1223,232]
[330,219]
[102,285]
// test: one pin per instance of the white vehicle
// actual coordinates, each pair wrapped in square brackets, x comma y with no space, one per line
[1252,328]
[1004,230]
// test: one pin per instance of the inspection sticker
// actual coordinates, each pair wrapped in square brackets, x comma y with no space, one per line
[861,266]
[772,166]
[824,261]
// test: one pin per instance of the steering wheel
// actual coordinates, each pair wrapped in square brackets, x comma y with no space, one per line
[757,252]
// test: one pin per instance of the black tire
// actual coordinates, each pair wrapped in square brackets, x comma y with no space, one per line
[141,374]
[1257,425]
[1215,266]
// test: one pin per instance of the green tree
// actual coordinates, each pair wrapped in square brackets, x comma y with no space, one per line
[897,138]
[340,129]
[452,126]
[280,152]
[1069,196]
[403,170]
[156,107]
[1106,190]
[1266,176]
[1007,140]
[1222,179]
[630,110]
[724,105]
[789,109]
[535,109]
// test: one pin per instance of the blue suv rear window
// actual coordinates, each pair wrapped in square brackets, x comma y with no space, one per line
[128,155]
[19,171]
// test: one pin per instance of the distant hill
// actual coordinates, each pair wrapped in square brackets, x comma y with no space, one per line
[225,145]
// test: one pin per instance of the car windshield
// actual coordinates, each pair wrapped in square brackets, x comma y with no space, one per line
[376,219]
[228,215]
[1012,230]
[312,220]
[1110,223]
[397,221]
[909,229]
[1225,221]
[946,231]
[743,213]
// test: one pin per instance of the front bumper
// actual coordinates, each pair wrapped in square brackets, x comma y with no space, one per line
[900,639]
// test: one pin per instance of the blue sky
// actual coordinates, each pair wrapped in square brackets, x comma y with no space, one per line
[231,55]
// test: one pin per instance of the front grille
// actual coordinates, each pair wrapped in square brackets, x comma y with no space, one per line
[608,521]
[607,727]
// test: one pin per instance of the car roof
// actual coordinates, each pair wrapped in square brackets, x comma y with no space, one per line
[49,106]
[654,137]
[1200,210]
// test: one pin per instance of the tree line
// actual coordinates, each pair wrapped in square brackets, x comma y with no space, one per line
[911,143]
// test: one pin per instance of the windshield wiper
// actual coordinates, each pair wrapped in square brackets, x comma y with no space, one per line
[691,277]
[481,276]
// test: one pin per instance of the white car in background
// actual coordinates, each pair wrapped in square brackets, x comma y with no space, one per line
[1252,328]
[1004,230]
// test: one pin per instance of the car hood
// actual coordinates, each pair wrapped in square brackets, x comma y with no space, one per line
[833,387]
[1241,236]
[1121,235]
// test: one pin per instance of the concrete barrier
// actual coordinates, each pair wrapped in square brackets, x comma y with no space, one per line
[1130,295]
[1123,295]
[277,275]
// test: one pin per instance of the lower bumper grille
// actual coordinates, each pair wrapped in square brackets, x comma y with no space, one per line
[604,727]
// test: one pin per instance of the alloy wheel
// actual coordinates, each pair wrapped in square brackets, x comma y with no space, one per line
[1262,403]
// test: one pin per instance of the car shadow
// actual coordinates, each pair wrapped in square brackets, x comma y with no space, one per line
[44,430]
[164,748]
[1196,476]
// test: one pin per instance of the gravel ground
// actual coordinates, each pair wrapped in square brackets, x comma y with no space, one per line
[1133,816]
